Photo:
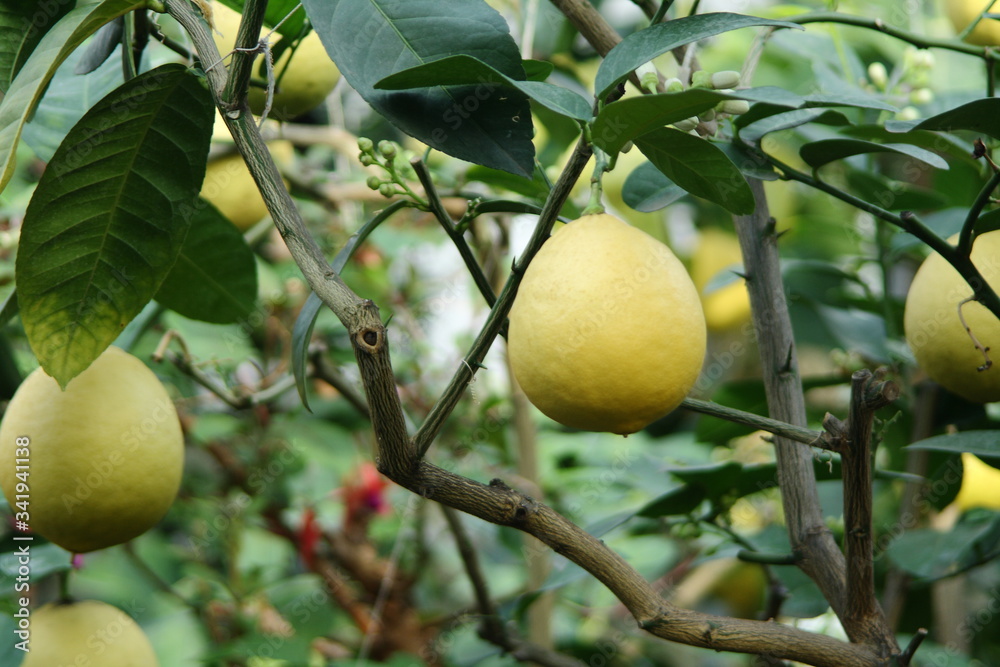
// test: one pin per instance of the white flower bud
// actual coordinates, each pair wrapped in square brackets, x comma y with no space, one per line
[725,79]
[878,74]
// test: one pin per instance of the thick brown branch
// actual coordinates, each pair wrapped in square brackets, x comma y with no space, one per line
[810,538]
[862,611]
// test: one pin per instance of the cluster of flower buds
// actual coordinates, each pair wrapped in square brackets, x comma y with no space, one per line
[908,85]
[707,122]
[390,157]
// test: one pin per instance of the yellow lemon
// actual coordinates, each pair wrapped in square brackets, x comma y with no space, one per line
[941,345]
[305,82]
[728,306]
[229,186]
[980,484]
[86,633]
[606,332]
[95,465]
[963,12]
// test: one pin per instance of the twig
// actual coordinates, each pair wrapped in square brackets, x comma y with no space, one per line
[985,351]
[456,236]
[917,40]
[791,431]
[907,221]
[907,655]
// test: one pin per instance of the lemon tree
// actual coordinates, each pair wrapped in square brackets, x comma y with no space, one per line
[443,315]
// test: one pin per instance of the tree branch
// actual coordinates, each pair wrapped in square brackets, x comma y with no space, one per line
[862,611]
[398,458]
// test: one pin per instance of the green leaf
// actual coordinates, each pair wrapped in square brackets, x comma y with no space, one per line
[22,25]
[699,167]
[976,116]
[215,276]
[462,70]
[985,444]
[624,120]
[643,45]
[109,215]
[31,80]
[68,97]
[789,119]
[930,554]
[819,153]
[487,124]
[646,189]
[987,222]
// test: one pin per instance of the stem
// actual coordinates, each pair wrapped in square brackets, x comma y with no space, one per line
[436,207]
[245,52]
[791,431]
[966,237]
[917,40]
[907,221]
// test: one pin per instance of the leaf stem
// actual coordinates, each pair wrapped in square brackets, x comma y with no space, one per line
[917,40]
[436,207]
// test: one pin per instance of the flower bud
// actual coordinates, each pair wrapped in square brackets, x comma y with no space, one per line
[687,124]
[374,182]
[701,79]
[365,144]
[878,75]
[725,79]
[734,107]
[387,149]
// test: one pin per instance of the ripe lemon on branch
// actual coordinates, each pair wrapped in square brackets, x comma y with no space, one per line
[97,464]
[87,632]
[607,331]
[939,340]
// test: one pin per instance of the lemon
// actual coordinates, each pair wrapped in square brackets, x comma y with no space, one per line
[728,306]
[95,465]
[940,343]
[963,12]
[86,633]
[606,332]
[980,484]
[229,186]
[304,83]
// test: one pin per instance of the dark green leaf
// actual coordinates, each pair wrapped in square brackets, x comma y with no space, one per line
[643,45]
[976,116]
[110,213]
[819,153]
[22,25]
[699,167]
[852,98]
[932,554]
[981,443]
[752,166]
[487,123]
[31,80]
[215,276]
[988,222]
[462,70]
[624,120]
[537,70]
[646,189]
[100,48]
[789,119]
